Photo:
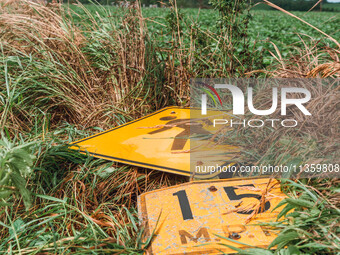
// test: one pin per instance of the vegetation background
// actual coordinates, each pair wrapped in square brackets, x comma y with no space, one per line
[71,70]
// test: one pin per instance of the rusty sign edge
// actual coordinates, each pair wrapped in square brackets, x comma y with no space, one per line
[143,214]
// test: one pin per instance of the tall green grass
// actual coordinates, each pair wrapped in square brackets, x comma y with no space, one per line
[65,75]
[308,222]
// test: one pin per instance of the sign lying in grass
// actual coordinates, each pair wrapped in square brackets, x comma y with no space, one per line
[196,217]
[158,141]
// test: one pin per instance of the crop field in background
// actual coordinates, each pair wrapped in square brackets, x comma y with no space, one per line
[67,72]
[333,6]
[266,26]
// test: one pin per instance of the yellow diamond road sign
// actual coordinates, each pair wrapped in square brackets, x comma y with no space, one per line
[197,217]
[157,141]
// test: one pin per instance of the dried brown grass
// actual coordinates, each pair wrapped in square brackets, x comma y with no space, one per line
[312,61]
[100,202]
[316,139]
[92,95]
[322,63]
[85,80]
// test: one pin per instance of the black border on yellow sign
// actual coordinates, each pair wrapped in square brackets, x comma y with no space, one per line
[135,163]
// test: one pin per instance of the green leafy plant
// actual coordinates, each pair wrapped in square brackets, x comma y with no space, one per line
[16,163]
[233,22]
[73,70]
[308,221]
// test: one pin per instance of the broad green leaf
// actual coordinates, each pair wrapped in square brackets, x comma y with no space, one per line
[284,238]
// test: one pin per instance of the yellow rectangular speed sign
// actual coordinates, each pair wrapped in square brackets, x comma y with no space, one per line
[190,218]
[158,141]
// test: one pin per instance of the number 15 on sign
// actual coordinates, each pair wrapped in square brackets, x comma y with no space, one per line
[188,215]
